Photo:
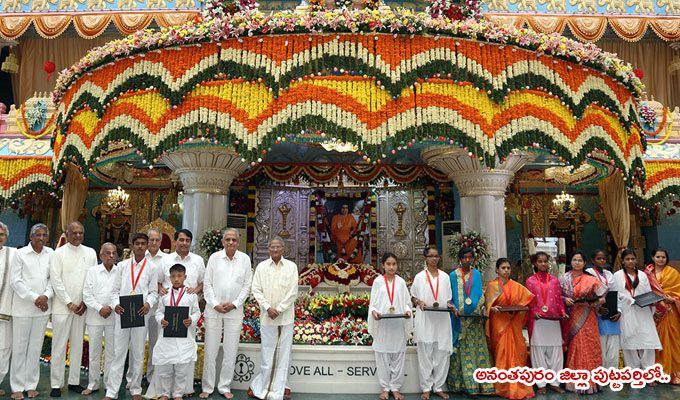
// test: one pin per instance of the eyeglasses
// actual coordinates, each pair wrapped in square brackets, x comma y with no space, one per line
[432,256]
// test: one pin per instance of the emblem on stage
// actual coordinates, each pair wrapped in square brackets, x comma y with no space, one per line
[244,369]
[468,301]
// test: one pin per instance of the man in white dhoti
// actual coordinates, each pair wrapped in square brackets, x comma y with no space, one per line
[275,288]
[99,318]
[639,338]
[6,255]
[68,267]
[174,356]
[389,295]
[227,284]
[31,307]
[133,276]
[432,288]
[156,256]
[195,271]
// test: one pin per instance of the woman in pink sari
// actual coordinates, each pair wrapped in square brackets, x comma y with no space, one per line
[582,335]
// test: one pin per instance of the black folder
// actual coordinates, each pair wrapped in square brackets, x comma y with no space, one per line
[390,316]
[647,299]
[130,317]
[437,309]
[610,306]
[589,299]
[175,317]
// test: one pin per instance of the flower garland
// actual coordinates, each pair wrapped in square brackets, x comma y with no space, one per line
[34,118]
[337,274]
[475,240]
[211,241]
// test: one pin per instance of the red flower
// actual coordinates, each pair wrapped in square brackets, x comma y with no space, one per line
[639,73]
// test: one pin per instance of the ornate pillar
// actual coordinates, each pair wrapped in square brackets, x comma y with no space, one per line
[482,192]
[206,172]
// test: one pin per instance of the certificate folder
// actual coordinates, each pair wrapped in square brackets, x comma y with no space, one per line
[130,317]
[647,299]
[610,306]
[513,309]
[388,316]
[175,317]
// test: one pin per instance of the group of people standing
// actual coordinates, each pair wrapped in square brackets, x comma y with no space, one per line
[564,318]
[81,295]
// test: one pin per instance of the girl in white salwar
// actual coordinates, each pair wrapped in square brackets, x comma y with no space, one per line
[639,338]
[174,357]
[389,295]
[432,288]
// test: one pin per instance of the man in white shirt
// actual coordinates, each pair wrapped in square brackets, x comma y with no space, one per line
[226,287]
[6,254]
[156,256]
[31,307]
[99,318]
[135,275]
[275,287]
[68,266]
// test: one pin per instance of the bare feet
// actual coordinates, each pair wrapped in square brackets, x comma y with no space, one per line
[137,397]
[425,396]
[228,395]
[32,394]
[204,395]
[443,395]
[397,395]
[164,398]
[177,398]
[384,395]
[556,389]
[106,398]
[542,390]
[17,395]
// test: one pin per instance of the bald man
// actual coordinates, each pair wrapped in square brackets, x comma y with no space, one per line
[68,267]
[99,317]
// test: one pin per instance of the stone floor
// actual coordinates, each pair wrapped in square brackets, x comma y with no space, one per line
[662,392]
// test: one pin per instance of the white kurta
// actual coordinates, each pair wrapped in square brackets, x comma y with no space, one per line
[276,285]
[68,267]
[97,294]
[226,280]
[638,330]
[389,335]
[177,350]
[30,278]
[433,327]
[193,263]
[6,293]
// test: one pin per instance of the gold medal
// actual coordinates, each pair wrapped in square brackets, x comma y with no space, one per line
[468,301]
[133,293]
[544,309]
[391,309]
[435,305]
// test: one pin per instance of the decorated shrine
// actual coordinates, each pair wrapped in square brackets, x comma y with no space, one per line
[348,130]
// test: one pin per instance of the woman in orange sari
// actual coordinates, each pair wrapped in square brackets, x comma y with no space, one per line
[504,329]
[582,335]
[665,280]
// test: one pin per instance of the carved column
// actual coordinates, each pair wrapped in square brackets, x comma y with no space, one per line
[206,174]
[482,192]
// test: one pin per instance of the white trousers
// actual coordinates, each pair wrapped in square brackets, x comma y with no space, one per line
[639,358]
[547,357]
[153,338]
[96,334]
[173,379]
[610,344]
[390,370]
[29,334]
[433,367]
[5,347]
[66,328]
[134,341]
[277,342]
[229,331]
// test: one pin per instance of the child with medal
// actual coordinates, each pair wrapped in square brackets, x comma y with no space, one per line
[470,350]
[545,333]
[432,288]
[389,299]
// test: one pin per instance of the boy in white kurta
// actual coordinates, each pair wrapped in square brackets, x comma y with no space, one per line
[389,295]
[173,358]
[639,338]
[99,318]
[432,288]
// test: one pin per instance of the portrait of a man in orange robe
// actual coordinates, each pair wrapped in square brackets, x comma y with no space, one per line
[343,233]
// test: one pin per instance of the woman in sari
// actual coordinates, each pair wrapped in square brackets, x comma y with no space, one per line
[665,280]
[504,329]
[582,335]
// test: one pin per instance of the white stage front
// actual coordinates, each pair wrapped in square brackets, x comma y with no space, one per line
[326,369]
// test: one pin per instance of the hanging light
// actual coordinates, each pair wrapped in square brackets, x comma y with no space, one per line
[117,199]
[564,201]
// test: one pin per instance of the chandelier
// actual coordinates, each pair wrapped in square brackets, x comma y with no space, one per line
[117,199]
[564,201]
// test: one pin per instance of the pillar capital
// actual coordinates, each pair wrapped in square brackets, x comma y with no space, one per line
[205,169]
